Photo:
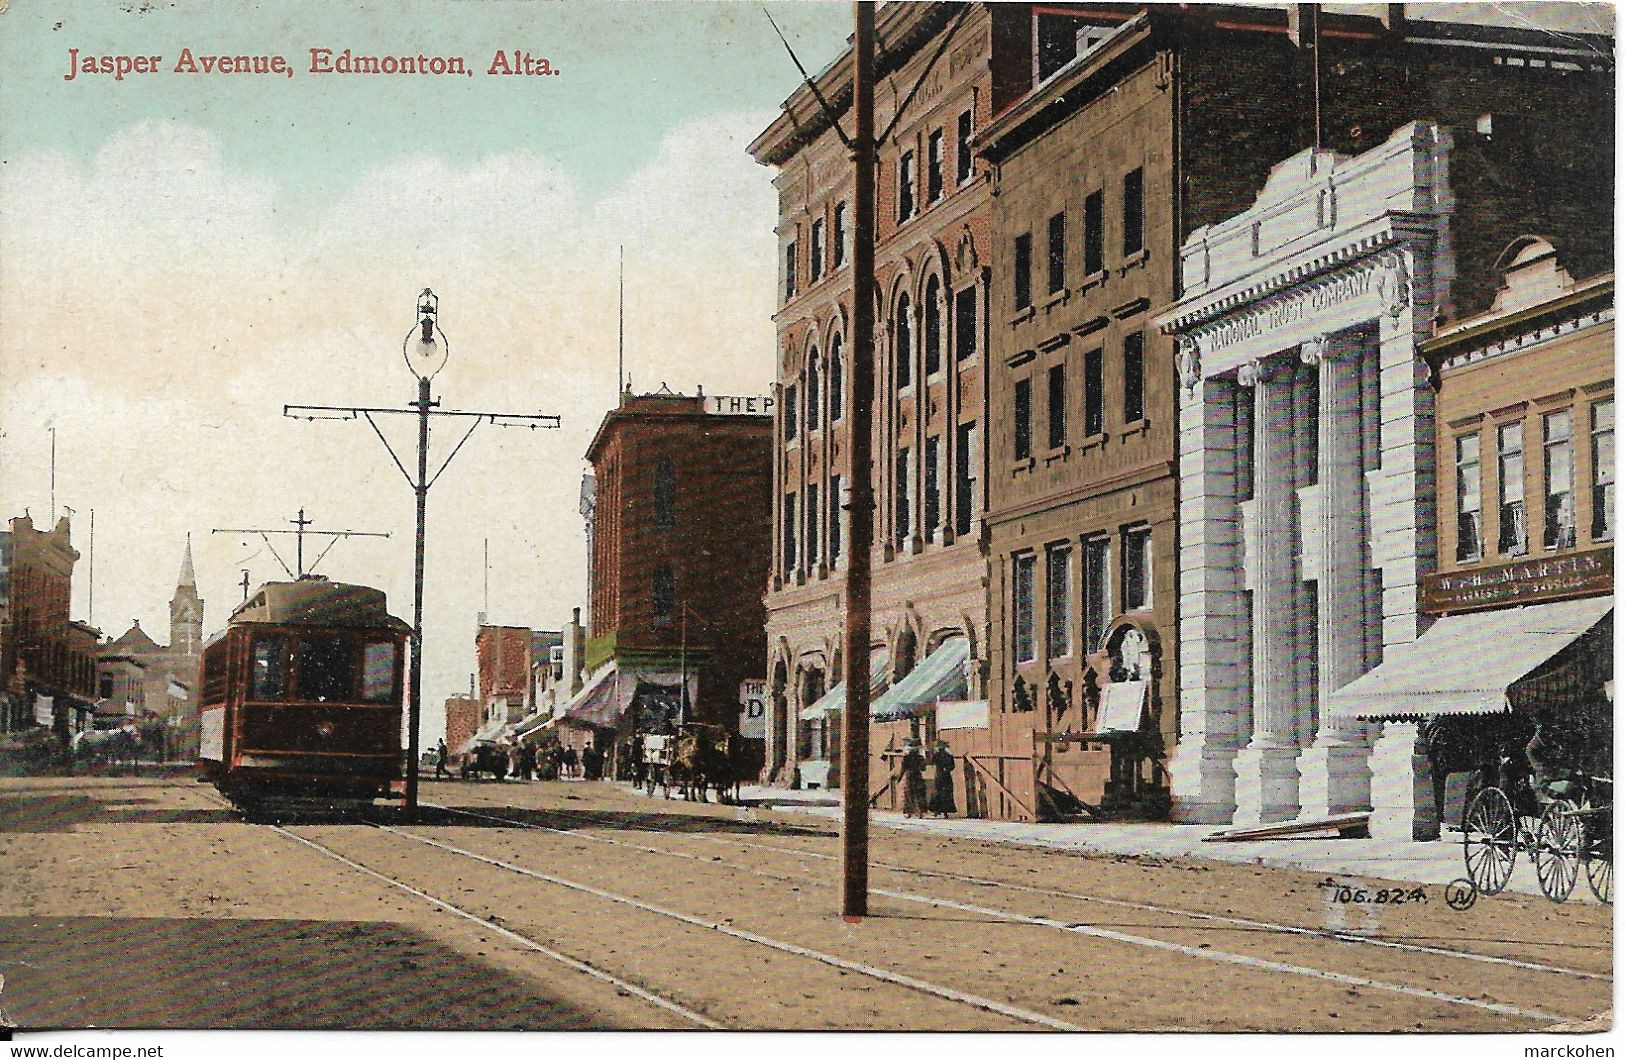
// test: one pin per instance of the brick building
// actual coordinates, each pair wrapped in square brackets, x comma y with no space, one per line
[462,721]
[679,533]
[168,672]
[502,656]
[1307,516]
[932,260]
[1164,120]
[47,662]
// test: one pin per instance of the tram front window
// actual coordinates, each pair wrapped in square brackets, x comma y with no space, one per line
[378,672]
[270,654]
[326,669]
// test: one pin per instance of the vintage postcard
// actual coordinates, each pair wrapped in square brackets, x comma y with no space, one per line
[713,516]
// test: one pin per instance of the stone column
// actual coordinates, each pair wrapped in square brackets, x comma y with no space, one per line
[1267,768]
[1335,772]
[1213,673]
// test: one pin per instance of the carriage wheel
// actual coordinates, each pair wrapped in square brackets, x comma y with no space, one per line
[1599,857]
[1489,836]
[1559,841]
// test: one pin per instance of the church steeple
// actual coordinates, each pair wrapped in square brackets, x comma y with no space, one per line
[186,610]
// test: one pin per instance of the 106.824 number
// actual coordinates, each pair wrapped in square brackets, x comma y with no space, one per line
[1353,894]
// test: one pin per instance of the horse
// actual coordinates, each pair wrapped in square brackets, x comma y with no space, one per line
[108,746]
[1487,745]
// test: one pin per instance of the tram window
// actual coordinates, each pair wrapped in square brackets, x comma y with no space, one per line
[270,664]
[377,672]
[326,668]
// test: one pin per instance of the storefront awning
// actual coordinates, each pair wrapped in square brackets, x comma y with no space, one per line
[1468,664]
[835,698]
[597,703]
[940,675]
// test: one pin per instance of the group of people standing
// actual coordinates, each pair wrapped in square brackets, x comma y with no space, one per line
[528,761]
[918,800]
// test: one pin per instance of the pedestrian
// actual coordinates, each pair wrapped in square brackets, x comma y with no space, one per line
[640,768]
[942,781]
[913,778]
[592,761]
[569,770]
[513,760]
[527,761]
[440,769]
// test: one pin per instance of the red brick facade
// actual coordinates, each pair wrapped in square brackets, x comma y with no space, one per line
[680,544]
[40,652]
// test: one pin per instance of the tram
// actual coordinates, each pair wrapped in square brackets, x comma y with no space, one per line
[301,697]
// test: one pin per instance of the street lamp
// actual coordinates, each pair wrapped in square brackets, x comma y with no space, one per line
[425,351]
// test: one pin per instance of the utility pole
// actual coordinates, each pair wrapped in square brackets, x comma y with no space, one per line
[855,733]
[424,358]
[300,530]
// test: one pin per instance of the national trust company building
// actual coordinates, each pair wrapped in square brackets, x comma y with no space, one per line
[1389,423]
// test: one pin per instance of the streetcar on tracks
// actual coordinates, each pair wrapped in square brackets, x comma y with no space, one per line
[301,698]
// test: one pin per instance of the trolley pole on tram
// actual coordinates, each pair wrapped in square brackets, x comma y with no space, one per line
[855,734]
[425,358]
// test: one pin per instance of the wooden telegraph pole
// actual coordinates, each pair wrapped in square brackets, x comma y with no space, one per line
[855,733]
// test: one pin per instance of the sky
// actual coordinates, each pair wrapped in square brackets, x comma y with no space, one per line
[182,254]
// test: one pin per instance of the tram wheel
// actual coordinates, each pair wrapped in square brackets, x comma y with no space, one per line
[1559,842]
[1489,837]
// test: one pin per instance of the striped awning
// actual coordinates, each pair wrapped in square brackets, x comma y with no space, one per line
[597,703]
[941,675]
[1466,664]
[835,698]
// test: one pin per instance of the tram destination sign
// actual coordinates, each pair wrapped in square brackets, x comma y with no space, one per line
[1530,581]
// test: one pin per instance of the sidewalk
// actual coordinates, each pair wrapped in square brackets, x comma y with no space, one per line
[1435,863]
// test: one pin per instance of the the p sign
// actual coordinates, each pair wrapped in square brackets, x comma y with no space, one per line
[753,709]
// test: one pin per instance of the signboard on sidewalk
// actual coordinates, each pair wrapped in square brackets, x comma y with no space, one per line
[753,709]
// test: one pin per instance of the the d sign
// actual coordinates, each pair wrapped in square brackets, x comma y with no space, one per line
[753,709]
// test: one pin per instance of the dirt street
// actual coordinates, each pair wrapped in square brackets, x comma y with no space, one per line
[576,905]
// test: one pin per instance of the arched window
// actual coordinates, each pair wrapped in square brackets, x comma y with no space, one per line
[815,398]
[903,344]
[665,494]
[837,380]
[933,327]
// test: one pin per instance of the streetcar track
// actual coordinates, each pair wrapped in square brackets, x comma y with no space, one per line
[873,972]
[1287,929]
[513,936]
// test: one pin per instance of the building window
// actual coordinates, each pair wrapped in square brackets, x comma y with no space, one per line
[790,427]
[1137,568]
[1557,434]
[1058,601]
[665,494]
[665,595]
[1024,271]
[903,345]
[1514,538]
[788,525]
[905,187]
[1024,419]
[962,155]
[789,270]
[1057,406]
[933,327]
[1469,499]
[1094,404]
[1094,233]
[965,465]
[965,324]
[931,516]
[904,485]
[814,398]
[840,234]
[1134,377]
[837,381]
[933,167]
[1021,606]
[815,251]
[1097,590]
[1133,212]
[837,503]
[1057,253]
[813,525]
[1602,470]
